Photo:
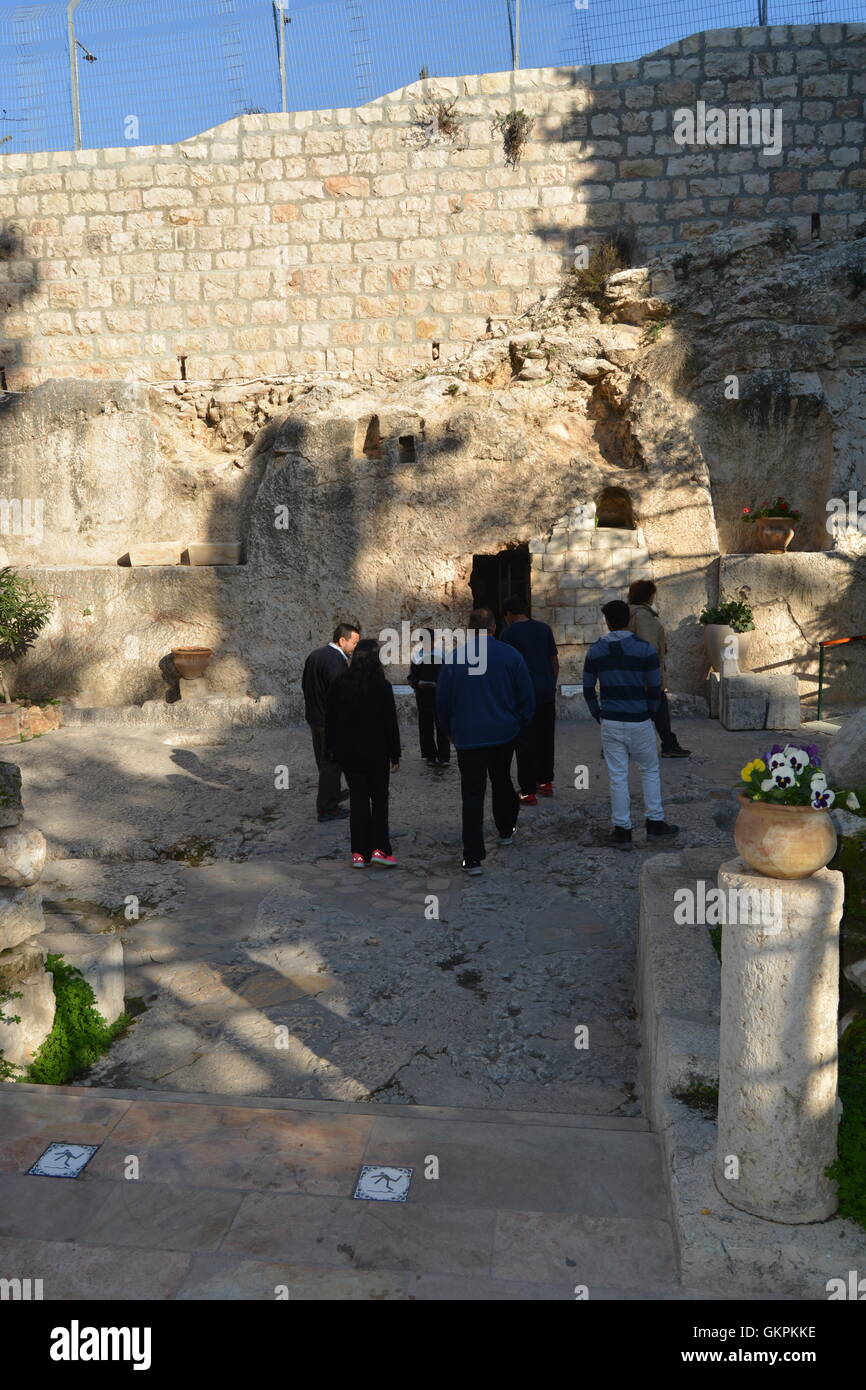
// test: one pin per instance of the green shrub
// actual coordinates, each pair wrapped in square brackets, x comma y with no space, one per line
[849,1169]
[80,1035]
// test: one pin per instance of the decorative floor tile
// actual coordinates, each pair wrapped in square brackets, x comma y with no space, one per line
[63,1160]
[379,1184]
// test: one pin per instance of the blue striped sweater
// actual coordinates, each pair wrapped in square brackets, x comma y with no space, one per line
[627,672]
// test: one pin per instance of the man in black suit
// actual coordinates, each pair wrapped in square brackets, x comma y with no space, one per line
[321,668]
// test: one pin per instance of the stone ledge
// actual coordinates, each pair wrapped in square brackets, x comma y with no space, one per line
[718,1247]
[213,712]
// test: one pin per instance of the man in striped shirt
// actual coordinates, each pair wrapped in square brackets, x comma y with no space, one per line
[626,671]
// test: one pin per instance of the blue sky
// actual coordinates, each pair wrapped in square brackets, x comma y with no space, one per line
[182,66]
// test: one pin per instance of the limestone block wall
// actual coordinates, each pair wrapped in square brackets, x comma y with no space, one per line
[577,568]
[361,240]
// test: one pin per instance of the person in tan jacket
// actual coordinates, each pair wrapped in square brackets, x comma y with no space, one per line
[646,624]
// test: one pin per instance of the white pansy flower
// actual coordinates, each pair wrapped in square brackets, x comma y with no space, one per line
[852,802]
[797,757]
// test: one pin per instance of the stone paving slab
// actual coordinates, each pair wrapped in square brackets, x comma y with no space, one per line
[234,1200]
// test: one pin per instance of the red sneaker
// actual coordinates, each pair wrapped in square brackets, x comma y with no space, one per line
[529,800]
[358,861]
[379,857]
[545,789]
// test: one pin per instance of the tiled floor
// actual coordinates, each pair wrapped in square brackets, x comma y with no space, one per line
[244,1199]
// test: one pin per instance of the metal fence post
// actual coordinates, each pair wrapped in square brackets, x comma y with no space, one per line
[73,72]
[516,34]
[280,18]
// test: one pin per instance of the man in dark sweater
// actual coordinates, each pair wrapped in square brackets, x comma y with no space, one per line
[627,672]
[484,700]
[537,645]
[322,667]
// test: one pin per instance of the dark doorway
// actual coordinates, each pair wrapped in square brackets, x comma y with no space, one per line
[496,578]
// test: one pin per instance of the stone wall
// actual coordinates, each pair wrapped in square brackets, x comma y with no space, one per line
[357,240]
[799,600]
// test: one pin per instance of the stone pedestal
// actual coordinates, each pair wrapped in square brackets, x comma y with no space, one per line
[778,1045]
[196,689]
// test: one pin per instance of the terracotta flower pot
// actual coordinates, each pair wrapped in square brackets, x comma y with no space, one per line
[774,534]
[190,662]
[715,637]
[784,841]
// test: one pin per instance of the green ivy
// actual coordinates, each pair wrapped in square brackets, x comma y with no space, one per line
[849,1169]
[80,1035]
[8,1071]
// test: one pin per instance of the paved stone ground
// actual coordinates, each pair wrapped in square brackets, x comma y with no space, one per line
[408,1036]
[271,968]
[238,1201]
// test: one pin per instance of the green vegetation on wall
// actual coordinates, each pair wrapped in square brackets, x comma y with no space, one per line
[80,1034]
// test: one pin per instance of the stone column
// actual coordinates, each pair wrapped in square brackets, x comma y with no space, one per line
[778,1045]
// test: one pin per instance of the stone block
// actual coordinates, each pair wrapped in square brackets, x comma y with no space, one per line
[846,758]
[212,553]
[758,701]
[19,963]
[21,916]
[195,688]
[99,958]
[10,722]
[156,553]
[22,857]
[19,1042]
[11,809]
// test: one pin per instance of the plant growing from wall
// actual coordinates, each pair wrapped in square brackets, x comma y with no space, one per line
[80,1034]
[588,282]
[514,127]
[441,118]
[24,612]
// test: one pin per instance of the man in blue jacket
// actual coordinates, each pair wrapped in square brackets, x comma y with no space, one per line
[627,672]
[484,700]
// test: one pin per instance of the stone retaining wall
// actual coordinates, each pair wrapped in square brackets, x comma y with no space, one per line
[357,239]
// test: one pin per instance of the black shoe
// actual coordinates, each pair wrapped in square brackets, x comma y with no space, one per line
[444,762]
[344,796]
[660,830]
[431,762]
[619,837]
[340,814]
[473,866]
[676,752]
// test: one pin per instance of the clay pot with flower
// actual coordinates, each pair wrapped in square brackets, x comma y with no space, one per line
[774,525]
[728,629]
[784,828]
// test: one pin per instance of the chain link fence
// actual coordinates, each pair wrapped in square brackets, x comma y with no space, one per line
[98,73]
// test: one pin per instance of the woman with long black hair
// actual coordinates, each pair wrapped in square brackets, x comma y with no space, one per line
[362,735]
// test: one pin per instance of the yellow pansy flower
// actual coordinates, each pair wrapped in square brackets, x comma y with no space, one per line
[756,765]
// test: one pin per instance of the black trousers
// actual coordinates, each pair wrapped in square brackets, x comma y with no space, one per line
[535,748]
[368,808]
[476,765]
[328,797]
[662,722]
[434,741]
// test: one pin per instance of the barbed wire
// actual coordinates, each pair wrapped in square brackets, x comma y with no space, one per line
[107,72]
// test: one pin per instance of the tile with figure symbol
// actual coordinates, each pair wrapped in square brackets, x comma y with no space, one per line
[63,1160]
[376,1183]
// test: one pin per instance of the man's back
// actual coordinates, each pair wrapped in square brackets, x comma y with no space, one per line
[321,667]
[537,645]
[487,702]
[627,673]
